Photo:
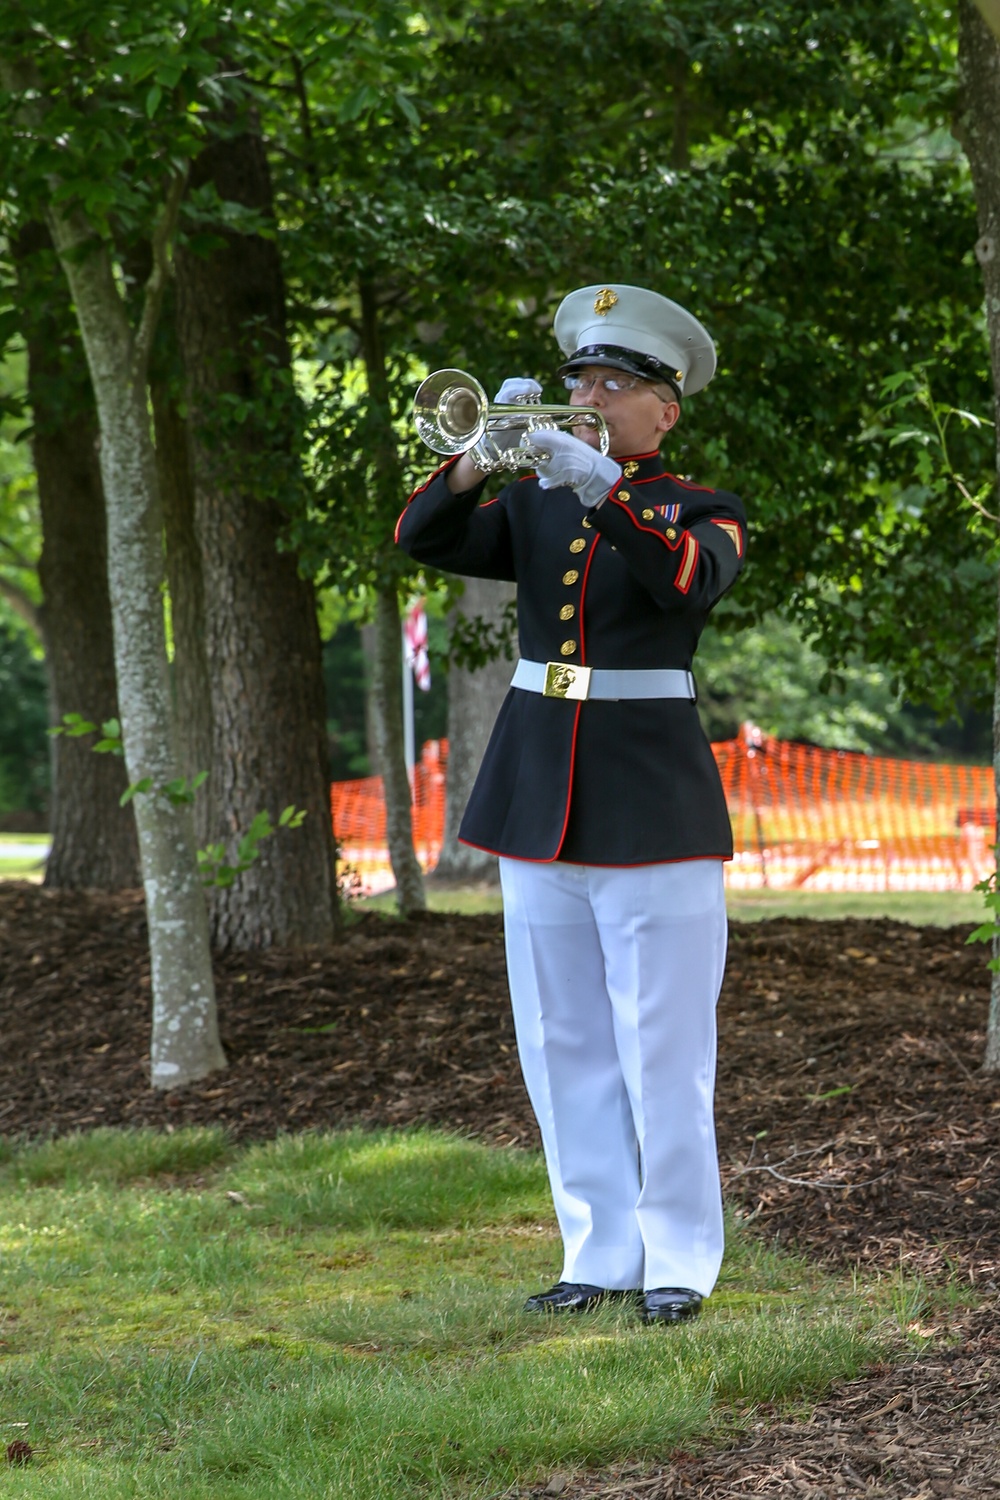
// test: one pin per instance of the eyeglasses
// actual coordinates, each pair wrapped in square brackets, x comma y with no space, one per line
[612,385]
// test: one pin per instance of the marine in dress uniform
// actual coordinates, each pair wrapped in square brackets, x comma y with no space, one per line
[600,794]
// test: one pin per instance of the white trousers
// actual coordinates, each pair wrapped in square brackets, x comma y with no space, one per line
[614,976]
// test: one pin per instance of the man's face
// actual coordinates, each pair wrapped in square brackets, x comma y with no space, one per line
[637,418]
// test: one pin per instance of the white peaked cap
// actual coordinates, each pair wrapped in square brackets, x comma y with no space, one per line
[630,328]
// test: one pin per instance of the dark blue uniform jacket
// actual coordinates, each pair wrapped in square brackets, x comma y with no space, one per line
[629,584]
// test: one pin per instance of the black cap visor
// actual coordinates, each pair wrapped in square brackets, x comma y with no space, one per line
[612,357]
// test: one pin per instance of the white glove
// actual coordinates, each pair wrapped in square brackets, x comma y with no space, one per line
[520,390]
[493,449]
[575,463]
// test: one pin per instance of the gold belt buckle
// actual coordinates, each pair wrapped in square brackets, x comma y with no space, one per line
[564,681]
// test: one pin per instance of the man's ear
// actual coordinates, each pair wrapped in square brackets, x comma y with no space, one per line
[669,417]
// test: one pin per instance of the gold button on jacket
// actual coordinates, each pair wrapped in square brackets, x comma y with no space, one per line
[578,543]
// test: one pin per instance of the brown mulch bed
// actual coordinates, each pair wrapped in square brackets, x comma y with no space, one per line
[915,1431]
[854,1121]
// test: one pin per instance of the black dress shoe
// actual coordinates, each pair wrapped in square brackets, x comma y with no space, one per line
[574,1296]
[670,1304]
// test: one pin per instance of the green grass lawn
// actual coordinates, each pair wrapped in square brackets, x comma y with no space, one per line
[23,866]
[341,1316]
[937,908]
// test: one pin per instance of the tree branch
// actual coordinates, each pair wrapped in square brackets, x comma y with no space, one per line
[305,119]
[160,246]
[19,559]
[977,504]
[820,1183]
[20,602]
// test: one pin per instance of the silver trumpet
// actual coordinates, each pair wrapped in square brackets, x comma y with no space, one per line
[452,415]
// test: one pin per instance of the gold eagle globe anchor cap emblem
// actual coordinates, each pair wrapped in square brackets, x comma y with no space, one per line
[605,300]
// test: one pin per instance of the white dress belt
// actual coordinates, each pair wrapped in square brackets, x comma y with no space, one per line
[557,679]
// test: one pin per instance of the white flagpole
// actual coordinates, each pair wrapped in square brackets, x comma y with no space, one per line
[409,745]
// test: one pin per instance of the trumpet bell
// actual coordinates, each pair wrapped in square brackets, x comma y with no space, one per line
[450,411]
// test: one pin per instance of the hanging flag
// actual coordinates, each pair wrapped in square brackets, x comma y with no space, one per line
[415,638]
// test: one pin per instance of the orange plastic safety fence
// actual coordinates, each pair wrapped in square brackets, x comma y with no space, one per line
[837,820]
[358,809]
[802,817]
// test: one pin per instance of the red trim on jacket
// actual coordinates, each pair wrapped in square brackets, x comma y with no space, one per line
[579,706]
[689,562]
[687,859]
[671,546]
[449,463]
[583,592]
[685,485]
[569,785]
[419,491]
[639,864]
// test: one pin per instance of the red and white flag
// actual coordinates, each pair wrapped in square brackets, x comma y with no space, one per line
[415,639]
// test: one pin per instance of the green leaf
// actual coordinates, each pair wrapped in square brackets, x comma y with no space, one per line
[407,108]
[358,103]
[892,383]
[153,99]
[145,785]
[76,725]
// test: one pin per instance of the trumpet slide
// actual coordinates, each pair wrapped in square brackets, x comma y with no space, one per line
[452,415]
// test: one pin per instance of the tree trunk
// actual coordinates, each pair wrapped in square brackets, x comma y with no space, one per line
[978,128]
[185,1041]
[262,640]
[474,698]
[368,635]
[93,836]
[189,679]
[387,659]
[387,706]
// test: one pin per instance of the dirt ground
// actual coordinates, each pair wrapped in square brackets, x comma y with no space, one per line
[854,1123]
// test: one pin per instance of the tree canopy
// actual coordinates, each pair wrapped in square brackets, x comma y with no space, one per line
[444,174]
